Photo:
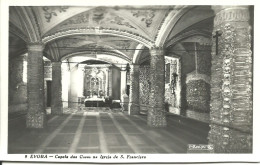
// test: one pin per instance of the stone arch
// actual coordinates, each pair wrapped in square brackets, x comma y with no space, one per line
[137,53]
[97,31]
[188,34]
[174,19]
[29,23]
[86,54]
[170,22]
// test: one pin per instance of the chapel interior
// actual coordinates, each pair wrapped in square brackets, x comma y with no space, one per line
[130,79]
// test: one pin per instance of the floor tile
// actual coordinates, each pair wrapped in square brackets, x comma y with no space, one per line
[90,129]
[56,122]
[141,140]
[21,151]
[62,141]
[73,123]
[58,151]
[91,118]
[29,140]
[115,140]
[149,150]
[90,151]
[77,116]
[90,122]
[69,129]
[123,121]
[130,129]
[121,150]
[177,135]
[107,122]
[89,140]
[110,129]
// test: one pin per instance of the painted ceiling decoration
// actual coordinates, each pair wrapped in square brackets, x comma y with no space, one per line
[142,22]
[50,11]
[96,17]
[49,17]
[98,31]
[123,44]
[81,18]
[114,30]
[146,16]
[120,21]
[95,43]
[78,41]
[91,50]
[98,14]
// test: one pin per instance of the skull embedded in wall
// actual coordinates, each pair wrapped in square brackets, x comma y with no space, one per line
[226,99]
[226,76]
[226,106]
[227,69]
[227,61]
[227,91]
[226,83]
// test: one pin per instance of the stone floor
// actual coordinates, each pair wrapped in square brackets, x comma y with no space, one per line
[104,131]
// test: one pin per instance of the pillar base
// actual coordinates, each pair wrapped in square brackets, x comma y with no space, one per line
[134,109]
[36,120]
[228,140]
[157,119]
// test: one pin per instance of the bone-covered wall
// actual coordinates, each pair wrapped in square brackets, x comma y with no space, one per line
[17,99]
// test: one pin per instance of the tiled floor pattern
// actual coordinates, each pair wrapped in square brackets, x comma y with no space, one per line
[80,131]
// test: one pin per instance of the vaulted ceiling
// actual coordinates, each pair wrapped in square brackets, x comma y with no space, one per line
[87,44]
[115,31]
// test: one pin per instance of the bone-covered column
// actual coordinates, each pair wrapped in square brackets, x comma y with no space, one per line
[156,113]
[231,81]
[36,116]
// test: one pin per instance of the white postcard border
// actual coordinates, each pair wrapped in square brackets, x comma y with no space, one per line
[254,157]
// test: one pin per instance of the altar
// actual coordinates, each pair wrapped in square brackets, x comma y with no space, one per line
[95,102]
[100,85]
[95,83]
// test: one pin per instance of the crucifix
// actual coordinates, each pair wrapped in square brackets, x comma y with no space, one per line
[218,34]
